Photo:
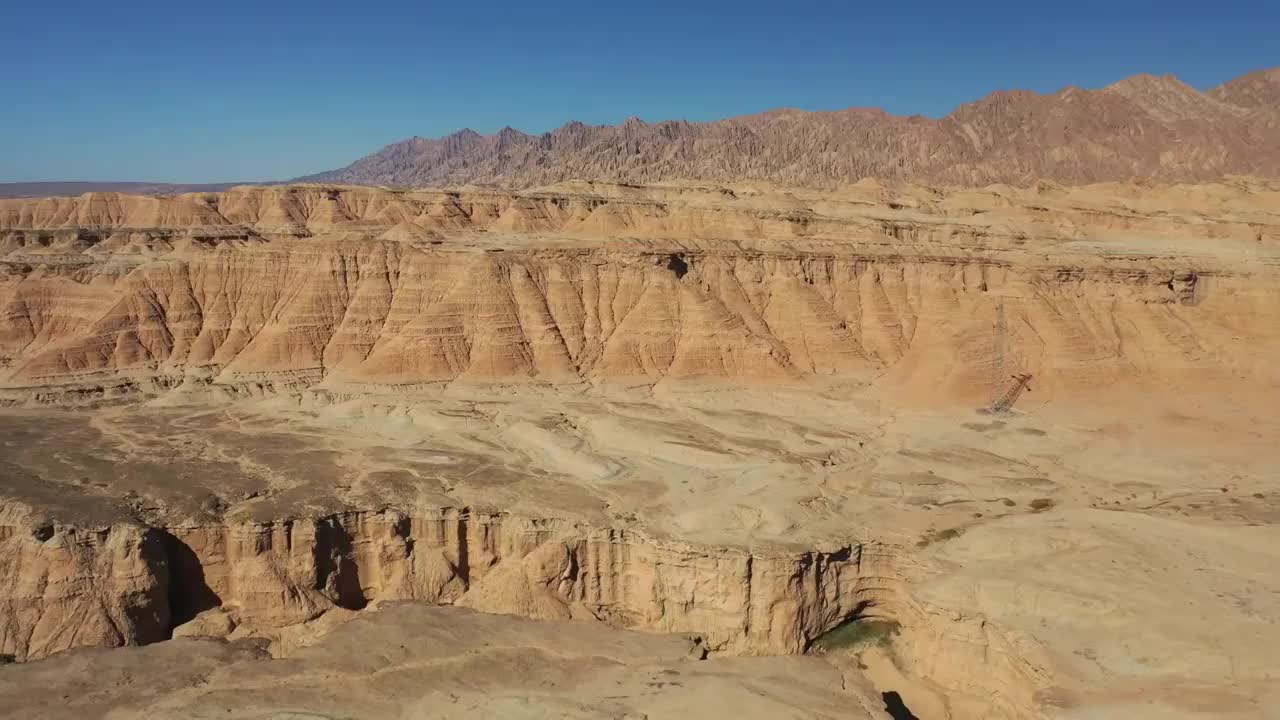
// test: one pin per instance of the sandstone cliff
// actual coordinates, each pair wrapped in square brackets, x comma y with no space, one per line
[75,587]
[302,285]
[67,586]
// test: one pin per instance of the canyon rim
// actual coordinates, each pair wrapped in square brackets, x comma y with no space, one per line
[601,449]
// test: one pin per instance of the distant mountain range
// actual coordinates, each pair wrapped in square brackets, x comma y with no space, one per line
[79,187]
[1141,127]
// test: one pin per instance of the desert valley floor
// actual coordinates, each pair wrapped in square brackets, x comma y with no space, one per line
[619,451]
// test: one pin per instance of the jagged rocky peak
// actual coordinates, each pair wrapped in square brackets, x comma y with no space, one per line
[1143,126]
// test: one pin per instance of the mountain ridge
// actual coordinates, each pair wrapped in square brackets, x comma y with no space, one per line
[1142,126]
[55,188]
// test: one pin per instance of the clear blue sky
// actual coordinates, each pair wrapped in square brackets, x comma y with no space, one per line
[229,90]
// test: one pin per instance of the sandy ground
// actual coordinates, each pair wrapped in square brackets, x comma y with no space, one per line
[1128,547]
[408,660]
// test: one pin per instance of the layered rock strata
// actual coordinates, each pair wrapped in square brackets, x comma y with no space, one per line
[288,287]
[67,586]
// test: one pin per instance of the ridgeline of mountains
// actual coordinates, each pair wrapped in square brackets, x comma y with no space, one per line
[1141,127]
[69,188]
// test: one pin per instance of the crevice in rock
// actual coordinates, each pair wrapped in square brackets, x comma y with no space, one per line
[463,565]
[188,593]
[337,571]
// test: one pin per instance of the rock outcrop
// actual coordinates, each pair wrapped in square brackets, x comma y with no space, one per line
[67,586]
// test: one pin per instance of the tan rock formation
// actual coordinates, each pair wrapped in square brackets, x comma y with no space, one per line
[300,285]
[124,590]
[75,587]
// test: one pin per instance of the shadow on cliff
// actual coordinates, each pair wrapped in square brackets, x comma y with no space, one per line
[896,708]
[337,573]
[189,594]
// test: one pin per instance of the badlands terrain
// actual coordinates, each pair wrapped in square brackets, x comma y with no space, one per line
[609,450]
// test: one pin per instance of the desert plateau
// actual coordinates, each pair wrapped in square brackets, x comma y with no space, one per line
[600,449]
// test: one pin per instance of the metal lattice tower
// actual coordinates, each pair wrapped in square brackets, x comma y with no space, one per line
[1011,396]
[999,332]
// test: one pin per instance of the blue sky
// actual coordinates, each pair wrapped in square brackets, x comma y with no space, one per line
[230,91]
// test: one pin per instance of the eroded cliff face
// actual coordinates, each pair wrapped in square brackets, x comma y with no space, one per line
[284,287]
[67,587]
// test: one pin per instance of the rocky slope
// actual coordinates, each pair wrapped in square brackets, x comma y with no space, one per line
[300,285]
[1260,89]
[1142,127]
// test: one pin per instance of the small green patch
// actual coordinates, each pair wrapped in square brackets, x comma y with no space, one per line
[856,633]
[1041,504]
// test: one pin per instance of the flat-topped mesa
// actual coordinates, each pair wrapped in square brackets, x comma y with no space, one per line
[286,287]
[861,213]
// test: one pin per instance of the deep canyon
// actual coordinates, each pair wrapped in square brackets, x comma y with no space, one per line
[679,429]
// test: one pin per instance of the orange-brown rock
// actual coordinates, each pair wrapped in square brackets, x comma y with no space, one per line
[314,284]
[67,586]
